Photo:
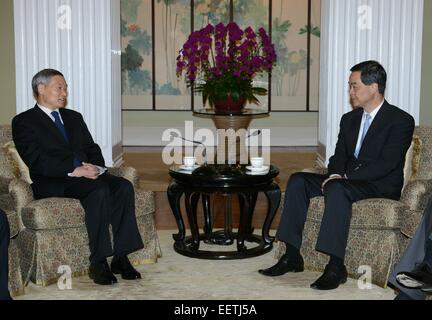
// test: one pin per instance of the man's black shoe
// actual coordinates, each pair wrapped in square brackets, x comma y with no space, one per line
[417,278]
[283,266]
[427,288]
[101,273]
[332,277]
[123,266]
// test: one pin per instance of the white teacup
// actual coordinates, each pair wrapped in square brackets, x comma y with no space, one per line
[189,161]
[257,162]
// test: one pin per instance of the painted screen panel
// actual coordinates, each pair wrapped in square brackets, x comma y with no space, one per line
[136,31]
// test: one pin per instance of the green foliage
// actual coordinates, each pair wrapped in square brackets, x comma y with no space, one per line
[140,80]
[315,31]
[228,85]
[131,60]
[168,89]
[141,41]
[129,9]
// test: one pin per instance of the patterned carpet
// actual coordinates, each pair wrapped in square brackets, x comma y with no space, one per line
[179,277]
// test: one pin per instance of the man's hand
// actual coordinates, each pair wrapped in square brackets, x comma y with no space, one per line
[87,170]
[332,177]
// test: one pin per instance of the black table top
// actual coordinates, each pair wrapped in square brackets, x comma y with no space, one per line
[222,176]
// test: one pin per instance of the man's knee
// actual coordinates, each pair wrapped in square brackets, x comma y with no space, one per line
[296,180]
[336,186]
[126,186]
[101,190]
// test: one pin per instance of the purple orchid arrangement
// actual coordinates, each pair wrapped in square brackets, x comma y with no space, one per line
[223,60]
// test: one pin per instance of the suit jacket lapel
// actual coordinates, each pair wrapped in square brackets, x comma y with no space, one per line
[356,122]
[49,125]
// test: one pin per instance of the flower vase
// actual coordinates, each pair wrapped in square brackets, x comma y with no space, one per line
[229,105]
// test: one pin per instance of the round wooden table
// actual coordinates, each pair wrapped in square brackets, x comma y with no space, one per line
[227,180]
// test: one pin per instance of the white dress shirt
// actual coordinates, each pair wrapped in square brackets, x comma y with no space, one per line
[48,112]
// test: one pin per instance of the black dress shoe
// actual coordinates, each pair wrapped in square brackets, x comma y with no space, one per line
[427,288]
[417,278]
[283,266]
[101,273]
[123,266]
[332,277]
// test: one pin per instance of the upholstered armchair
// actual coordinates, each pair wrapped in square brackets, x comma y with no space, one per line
[54,232]
[16,284]
[380,228]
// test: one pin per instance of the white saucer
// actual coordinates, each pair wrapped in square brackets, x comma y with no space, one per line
[256,173]
[183,167]
[262,169]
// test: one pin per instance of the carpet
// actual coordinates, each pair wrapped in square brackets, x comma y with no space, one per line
[179,277]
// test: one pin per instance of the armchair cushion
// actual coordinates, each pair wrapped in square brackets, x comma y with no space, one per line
[53,213]
[369,213]
[57,213]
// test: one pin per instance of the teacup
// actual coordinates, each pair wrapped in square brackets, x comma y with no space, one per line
[257,162]
[189,161]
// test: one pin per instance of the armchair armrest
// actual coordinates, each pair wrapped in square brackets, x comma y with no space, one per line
[316,170]
[4,185]
[128,173]
[416,194]
[411,220]
[21,193]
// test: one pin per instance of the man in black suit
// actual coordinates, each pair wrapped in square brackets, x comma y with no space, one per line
[368,163]
[4,267]
[413,274]
[64,161]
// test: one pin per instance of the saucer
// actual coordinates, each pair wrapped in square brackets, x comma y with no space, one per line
[256,173]
[262,169]
[183,167]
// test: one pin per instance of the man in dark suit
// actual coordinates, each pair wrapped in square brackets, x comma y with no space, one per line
[368,163]
[4,267]
[64,161]
[413,274]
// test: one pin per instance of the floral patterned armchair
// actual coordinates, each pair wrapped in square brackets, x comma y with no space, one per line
[54,231]
[16,283]
[380,228]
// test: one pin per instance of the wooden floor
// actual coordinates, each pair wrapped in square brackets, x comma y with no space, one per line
[154,176]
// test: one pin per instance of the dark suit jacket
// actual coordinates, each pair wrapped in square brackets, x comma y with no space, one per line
[47,154]
[382,155]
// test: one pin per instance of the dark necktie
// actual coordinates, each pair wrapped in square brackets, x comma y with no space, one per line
[61,128]
[59,125]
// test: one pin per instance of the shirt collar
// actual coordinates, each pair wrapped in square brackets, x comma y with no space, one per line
[374,113]
[48,112]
